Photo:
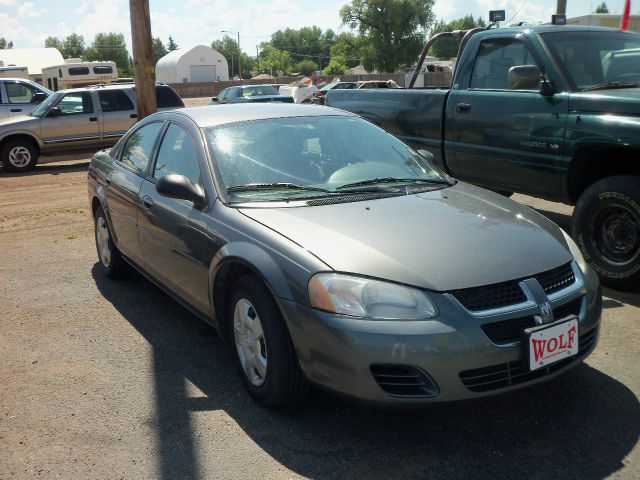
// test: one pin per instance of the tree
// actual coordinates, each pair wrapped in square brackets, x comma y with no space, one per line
[73,46]
[306,67]
[393,30]
[3,43]
[158,48]
[248,65]
[448,47]
[54,42]
[172,45]
[337,66]
[111,46]
[274,61]
[228,47]
[602,8]
[346,49]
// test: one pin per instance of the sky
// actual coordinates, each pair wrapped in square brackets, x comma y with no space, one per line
[199,22]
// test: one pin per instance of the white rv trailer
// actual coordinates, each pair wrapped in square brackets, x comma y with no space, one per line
[12,71]
[78,74]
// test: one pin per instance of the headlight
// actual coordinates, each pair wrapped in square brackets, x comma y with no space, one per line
[363,297]
[575,251]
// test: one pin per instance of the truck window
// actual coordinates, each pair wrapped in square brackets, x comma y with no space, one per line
[76,103]
[19,92]
[114,101]
[495,58]
[166,97]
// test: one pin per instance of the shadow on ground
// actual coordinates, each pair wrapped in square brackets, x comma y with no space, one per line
[581,425]
[50,169]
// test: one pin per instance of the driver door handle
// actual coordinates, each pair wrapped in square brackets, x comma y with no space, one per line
[93,119]
[147,201]
[463,108]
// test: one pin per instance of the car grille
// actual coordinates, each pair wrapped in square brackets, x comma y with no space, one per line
[513,373]
[508,293]
[510,331]
[403,381]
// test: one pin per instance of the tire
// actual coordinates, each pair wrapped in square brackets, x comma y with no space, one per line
[111,261]
[265,355]
[606,227]
[19,155]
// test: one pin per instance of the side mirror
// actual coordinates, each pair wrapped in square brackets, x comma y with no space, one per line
[524,77]
[179,186]
[39,97]
[54,112]
[214,99]
[427,155]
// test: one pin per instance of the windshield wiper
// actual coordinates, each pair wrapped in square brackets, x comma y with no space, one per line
[247,187]
[374,181]
[610,85]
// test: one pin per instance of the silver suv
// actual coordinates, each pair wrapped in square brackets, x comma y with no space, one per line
[77,119]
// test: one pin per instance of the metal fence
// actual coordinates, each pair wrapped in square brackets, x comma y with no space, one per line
[209,89]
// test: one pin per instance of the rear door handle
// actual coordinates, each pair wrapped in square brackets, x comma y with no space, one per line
[107,179]
[463,108]
[133,115]
[147,201]
[93,119]
[16,110]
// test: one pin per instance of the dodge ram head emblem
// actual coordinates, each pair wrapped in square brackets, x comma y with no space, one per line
[546,313]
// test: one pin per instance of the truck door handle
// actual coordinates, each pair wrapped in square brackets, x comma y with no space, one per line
[16,110]
[93,119]
[107,179]
[133,115]
[147,201]
[463,108]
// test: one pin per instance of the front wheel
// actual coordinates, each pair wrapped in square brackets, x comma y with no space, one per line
[19,155]
[606,226]
[265,354]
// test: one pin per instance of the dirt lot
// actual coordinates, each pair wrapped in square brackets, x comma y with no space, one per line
[104,380]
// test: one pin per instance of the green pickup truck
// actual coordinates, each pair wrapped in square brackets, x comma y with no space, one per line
[549,111]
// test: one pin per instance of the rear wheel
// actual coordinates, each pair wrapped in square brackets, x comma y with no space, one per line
[263,348]
[606,226]
[19,155]
[111,261]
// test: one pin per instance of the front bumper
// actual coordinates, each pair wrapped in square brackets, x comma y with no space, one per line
[352,356]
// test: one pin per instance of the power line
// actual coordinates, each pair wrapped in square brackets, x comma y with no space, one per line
[517,12]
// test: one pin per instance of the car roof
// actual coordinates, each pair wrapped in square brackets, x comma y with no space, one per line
[214,115]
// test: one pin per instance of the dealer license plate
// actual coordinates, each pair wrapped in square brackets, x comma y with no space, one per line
[548,344]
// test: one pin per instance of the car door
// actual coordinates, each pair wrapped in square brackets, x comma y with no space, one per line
[17,98]
[71,123]
[510,139]
[173,232]
[130,166]
[118,114]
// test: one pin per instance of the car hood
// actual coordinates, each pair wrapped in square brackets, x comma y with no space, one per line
[441,240]
[18,121]
[623,101]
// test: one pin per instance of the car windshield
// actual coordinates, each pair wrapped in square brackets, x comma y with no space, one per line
[596,59]
[259,90]
[41,109]
[300,157]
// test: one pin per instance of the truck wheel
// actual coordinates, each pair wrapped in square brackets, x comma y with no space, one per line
[266,357]
[606,226]
[19,155]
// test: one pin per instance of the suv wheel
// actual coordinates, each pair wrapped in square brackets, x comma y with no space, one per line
[19,155]
[606,226]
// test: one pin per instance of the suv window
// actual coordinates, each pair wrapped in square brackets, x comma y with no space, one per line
[495,58]
[19,92]
[114,101]
[138,147]
[76,103]
[177,155]
[167,97]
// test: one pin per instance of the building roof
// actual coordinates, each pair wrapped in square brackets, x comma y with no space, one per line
[35,59]
[174,56]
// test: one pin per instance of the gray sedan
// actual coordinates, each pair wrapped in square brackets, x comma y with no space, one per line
[327,252]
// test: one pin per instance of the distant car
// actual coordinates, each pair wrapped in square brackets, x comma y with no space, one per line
[19,96]
[318,97]
[250,94]
[377,84]
[325,250]
[74,120]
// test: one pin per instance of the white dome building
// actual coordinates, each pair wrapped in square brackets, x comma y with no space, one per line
[192,65]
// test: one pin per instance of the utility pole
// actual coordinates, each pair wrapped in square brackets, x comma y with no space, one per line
[561,7]
[143,58]
[239,58]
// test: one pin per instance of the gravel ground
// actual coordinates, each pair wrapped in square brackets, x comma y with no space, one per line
[112,380]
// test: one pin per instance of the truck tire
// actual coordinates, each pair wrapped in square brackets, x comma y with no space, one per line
[606,226]
[19,155]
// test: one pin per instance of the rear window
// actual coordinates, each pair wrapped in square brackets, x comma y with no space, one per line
[78,70]
[104,69]
[114,101]
[166,97]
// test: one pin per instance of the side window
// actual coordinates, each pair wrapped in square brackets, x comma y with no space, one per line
[114,101]
[222,95]
[139,146]
[166,97]
[177,154]
[76,103]
[19,92]
[495,58]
